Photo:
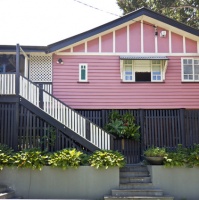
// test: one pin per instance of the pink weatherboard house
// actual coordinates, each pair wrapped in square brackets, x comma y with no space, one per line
[143,63]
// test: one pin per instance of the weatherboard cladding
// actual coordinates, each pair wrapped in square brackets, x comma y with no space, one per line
[105,90]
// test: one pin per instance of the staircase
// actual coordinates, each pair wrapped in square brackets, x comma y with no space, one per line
[55,112]
[135,183]
[6,193]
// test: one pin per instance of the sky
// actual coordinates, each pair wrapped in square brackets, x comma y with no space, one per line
[43,22]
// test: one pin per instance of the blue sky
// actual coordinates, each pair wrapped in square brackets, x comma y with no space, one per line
[42,22]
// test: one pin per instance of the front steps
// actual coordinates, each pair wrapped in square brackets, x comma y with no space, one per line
[135,183]
[6,193]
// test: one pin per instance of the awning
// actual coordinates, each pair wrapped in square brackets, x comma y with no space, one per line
[143,58]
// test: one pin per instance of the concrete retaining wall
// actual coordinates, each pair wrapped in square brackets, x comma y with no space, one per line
[180,182]
[82,183]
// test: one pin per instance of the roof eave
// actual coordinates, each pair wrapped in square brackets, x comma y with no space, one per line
[28,49]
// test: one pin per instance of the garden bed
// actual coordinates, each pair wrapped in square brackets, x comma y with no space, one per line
[54,183]
[180,182]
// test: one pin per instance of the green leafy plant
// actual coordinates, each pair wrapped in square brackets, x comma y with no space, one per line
[49,139]
[65,158]
[5,154]
[123,126]
[30,158]
[193,156]
[182,156]
[84,159]
[116,127]
[106,158]
[155,152]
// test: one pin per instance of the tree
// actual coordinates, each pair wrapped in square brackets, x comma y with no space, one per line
[185,11]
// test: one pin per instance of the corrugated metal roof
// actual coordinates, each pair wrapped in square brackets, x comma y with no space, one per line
[143,58]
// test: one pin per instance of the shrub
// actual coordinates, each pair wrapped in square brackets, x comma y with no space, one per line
[123,126]
[182,156]
[65,158]
[155,152]
[30,158]
[5,153]
[106,158]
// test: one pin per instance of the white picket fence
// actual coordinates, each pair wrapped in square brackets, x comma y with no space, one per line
[65,115]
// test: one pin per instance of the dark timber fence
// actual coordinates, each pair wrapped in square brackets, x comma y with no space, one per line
[162,128]
[33,132]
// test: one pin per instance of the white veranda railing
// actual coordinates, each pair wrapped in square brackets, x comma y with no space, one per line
[7,84]
[64,114]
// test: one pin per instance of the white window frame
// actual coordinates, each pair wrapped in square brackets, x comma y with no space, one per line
[151,70]
[133,73]
[182,69]
[80,72]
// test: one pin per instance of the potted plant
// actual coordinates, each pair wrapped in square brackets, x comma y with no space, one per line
[155,155]
[123,126]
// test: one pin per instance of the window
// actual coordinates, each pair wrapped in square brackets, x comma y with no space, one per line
[128,73]
[142,70]
[190,69]
[83,73]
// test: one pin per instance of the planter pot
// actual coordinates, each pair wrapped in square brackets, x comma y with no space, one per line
[154,160]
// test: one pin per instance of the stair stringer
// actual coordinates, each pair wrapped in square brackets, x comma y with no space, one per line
[65,130]
[69,118]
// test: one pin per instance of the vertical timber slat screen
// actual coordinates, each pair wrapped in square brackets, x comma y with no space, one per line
[7,121]
[162,128]
[34,132]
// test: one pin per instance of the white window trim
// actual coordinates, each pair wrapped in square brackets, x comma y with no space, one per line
[86,68]
[163,71]
[182,69]
[123,73]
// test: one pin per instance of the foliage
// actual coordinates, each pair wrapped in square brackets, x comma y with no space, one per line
[50,138]
[65,158]
[185,11]
[5,153]
[106,158]
[36,159]
[30,158]
[84,159]
[123,126]
[6,149]
[155,152]
[182,156]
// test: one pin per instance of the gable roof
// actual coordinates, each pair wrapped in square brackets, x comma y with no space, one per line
[129,17]
[77,38]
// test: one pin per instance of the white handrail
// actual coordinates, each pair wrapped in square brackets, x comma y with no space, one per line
[7,84]
[65,115]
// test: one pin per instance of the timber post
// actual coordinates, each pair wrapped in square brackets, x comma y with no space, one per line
[141,115]
[182,124]
[17,86]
